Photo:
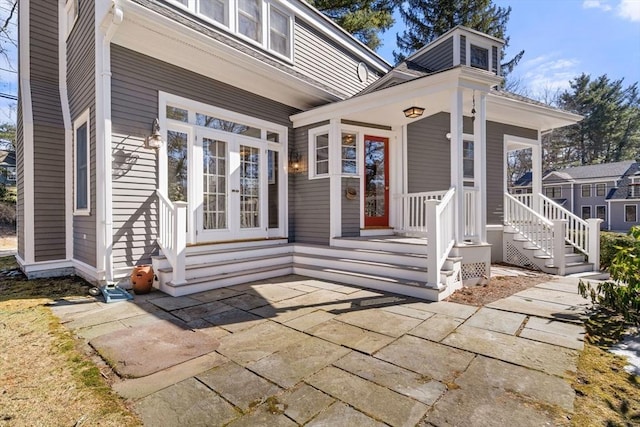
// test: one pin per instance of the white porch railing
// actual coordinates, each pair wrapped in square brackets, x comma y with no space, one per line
[525,199]
[531,225]
[172,236]
[414,210]
[440,216]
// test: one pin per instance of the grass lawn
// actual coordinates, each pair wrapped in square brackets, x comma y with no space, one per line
[45,379]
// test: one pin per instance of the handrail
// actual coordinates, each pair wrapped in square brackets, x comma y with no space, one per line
[172,239]
[414,217]
[530,224]
[577,229]
[440,216]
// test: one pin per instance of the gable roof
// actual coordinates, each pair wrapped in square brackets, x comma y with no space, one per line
[622,191]
[7,158]
[603,170]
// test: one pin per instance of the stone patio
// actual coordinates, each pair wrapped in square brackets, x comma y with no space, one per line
[299,351]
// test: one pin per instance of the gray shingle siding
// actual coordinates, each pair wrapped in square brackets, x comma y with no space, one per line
[438,58]
[136,80]
[81,92]
[617,214]
[350,208]
[48,135]
[309,208]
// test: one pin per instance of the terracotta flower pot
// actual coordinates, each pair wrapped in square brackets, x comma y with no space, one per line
[142,279]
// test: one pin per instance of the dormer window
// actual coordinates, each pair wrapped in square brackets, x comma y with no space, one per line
[259,22]
[479,57]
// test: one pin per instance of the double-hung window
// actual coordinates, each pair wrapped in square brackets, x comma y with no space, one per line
[586,190]
[630,213]
[279,32]
[601,190]
[218,10]
[81,164]
[250,19]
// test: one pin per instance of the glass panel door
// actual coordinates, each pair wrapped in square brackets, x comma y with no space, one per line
[249,187]
[214,184]
[376,181]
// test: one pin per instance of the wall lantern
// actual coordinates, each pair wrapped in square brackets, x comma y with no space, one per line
[413,112]
[294,161]
[155,139]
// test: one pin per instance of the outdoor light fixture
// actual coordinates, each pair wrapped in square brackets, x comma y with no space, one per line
[413,112]
[294,161]
[155,139]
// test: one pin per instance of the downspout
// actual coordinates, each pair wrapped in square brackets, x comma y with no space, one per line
[104,34]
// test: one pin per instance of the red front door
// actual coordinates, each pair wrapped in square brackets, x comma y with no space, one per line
[376,181]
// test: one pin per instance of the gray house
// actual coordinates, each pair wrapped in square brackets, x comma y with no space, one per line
[607,191]
[231,141]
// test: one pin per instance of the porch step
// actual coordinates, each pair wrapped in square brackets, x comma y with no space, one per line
[230,266]
[383,283]
[569,258]
[572,268]
[374,255]
[396,244]
[225,279]
[391,269]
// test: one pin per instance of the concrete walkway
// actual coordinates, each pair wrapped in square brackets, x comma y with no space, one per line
[299,351]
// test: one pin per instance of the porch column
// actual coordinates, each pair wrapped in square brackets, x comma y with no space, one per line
[480,167]
[536,174]
[457,172]
[335,180]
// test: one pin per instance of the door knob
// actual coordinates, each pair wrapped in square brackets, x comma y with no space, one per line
[386,188]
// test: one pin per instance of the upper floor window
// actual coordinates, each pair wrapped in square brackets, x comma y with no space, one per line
[601,190]
[586,190]
[634,188]
[554,192]
[258,21]
[479,57]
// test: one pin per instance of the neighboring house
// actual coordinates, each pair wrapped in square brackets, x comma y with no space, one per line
[8,167]
[243,140]
[607,191]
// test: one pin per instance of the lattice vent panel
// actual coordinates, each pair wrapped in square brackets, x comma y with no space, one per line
[515,257]
[474,270]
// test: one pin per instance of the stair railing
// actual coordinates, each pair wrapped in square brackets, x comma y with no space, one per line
[172,236]
[583,235]
[414,210]
[534,227]
[440,216]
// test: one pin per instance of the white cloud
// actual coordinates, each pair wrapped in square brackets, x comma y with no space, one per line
[629,9]
[596,4]
[546,74]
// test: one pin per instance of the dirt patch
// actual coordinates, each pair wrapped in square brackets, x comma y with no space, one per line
[500,286]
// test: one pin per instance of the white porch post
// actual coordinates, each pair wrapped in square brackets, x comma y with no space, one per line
[536,174]
[480,166]
[335,180]
[457,178]
[594,242]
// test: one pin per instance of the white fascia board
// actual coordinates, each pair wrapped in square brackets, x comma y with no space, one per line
[147,19]
[329,28]
[449,79]
[560,118]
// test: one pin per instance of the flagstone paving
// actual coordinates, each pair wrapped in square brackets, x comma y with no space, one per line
[298,351]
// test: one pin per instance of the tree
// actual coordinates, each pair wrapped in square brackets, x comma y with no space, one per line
[610,130]
[7,136]
[425,20]
[362,18]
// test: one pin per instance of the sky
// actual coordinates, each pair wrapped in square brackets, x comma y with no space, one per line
[561,40]
[564,38]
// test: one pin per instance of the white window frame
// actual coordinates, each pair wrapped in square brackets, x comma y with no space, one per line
[357,144]
[582,211]
[605,212]
[625,213]
[582,188]
[69,7]
[232,26]
[84,118]
[312,158]
[483,44]
[602,186]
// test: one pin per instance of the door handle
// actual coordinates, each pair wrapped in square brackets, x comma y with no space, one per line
[386,188]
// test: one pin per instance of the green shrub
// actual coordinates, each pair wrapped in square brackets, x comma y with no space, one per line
[610,242]
[622,295]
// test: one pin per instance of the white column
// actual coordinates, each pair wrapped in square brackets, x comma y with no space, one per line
[536,174]
[335,180]
[480,166]
[457,179]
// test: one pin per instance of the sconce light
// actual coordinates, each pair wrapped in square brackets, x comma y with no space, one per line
[413,112]
[155,139]
[294,161]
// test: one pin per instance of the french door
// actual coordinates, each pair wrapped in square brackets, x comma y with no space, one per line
[230,187]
